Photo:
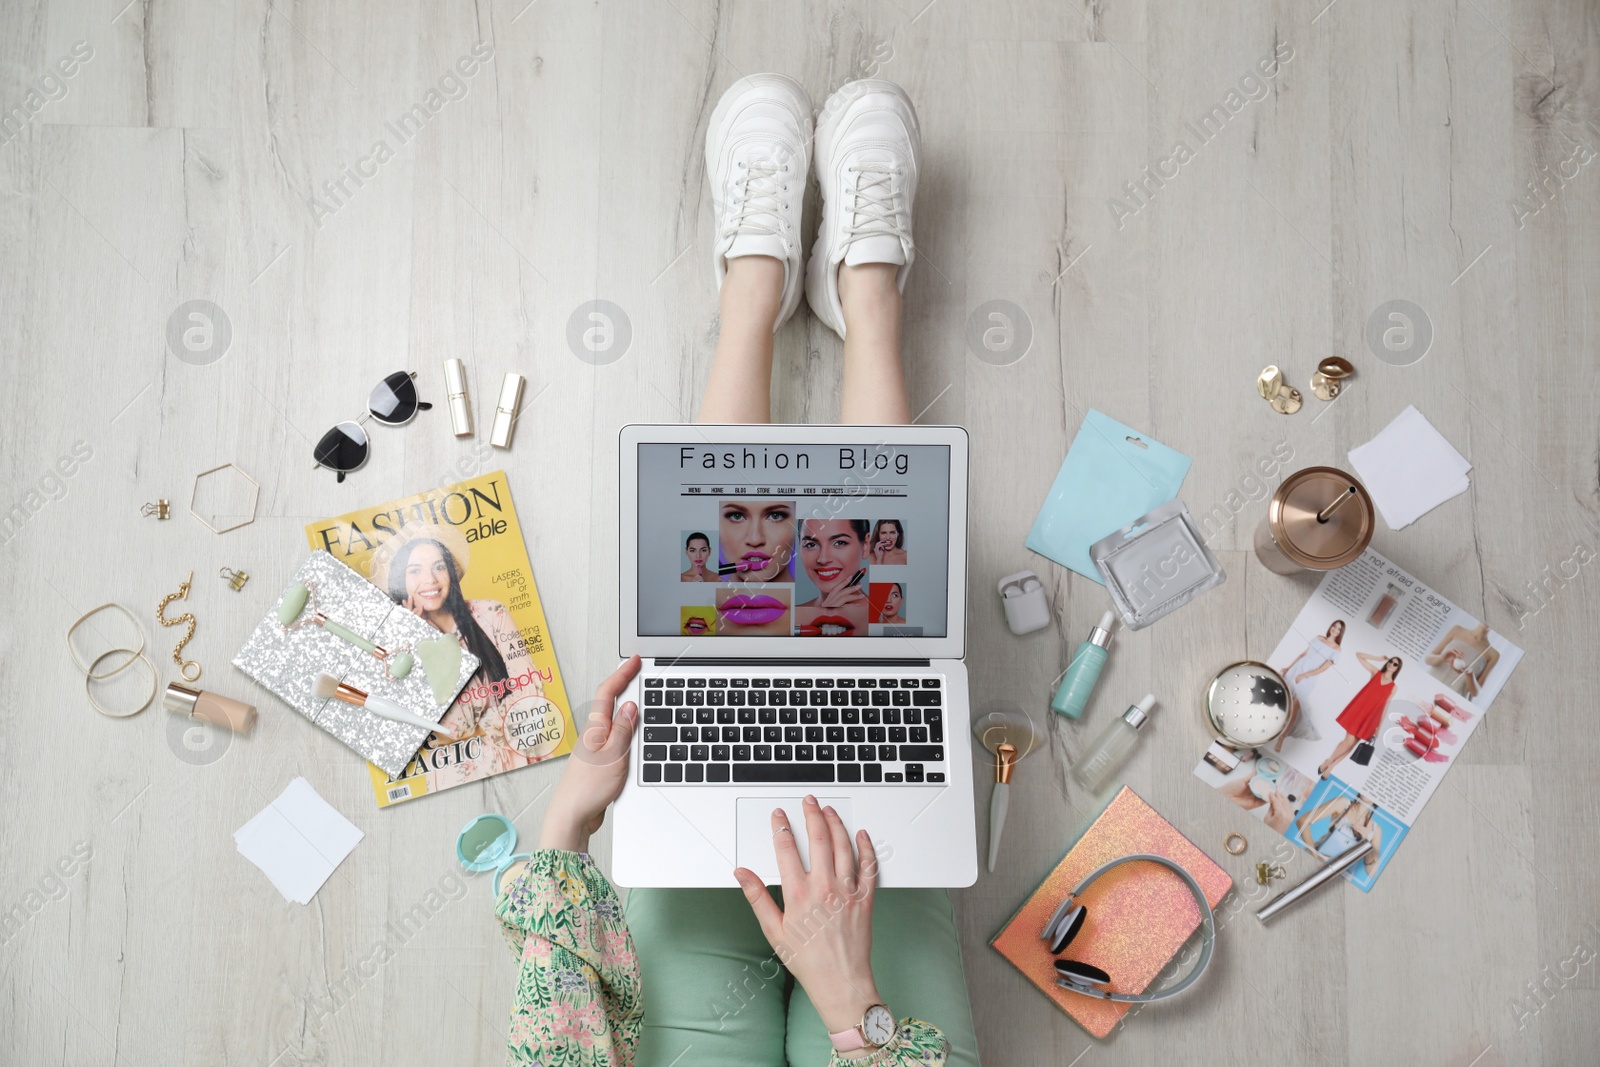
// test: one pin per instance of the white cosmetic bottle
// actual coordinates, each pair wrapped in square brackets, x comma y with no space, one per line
[1111,749]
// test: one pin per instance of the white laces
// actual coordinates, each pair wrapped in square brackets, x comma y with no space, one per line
[872,212]
[758,199]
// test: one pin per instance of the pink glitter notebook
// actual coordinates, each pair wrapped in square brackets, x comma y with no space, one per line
[1139,915]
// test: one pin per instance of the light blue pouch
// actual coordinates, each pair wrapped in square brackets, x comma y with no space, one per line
[1112,475]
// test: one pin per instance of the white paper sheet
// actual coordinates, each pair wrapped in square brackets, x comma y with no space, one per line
[297,841]
[1409,469]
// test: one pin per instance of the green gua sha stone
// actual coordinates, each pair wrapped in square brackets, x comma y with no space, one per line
[294,602]
[441,659]
[400,665]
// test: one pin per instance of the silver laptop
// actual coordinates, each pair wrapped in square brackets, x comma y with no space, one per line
[798,594]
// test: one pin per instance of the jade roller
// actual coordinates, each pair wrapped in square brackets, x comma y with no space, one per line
[1005,759]
[299,595]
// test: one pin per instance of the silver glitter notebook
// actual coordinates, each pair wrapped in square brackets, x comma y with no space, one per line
[287,659]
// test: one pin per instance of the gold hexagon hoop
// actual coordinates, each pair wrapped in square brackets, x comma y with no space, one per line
[255,496]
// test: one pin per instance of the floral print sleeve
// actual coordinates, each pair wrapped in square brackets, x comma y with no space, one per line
[577,1000]
[915,1044]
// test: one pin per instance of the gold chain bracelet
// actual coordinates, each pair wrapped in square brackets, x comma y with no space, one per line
[186,617]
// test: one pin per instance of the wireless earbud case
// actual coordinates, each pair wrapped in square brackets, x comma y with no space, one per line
[1022,595]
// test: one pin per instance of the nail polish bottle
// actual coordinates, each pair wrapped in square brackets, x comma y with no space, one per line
[1111,749]
[221,711]
[1083,672]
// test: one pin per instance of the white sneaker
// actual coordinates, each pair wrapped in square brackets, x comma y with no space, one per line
[758,148]
[869,148]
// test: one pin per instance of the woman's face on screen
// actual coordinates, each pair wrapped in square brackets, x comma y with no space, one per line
[759,536]
[832,552]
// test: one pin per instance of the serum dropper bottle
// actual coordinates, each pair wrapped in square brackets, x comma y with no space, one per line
[1083,672]
[1111,749]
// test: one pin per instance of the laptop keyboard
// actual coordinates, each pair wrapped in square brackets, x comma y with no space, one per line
[800,731]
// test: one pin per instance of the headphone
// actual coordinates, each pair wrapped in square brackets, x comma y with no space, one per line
[1090,980]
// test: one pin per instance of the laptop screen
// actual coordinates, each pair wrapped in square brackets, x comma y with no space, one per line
[793,540]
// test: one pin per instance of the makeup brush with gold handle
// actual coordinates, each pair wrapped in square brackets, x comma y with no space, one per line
[327,687]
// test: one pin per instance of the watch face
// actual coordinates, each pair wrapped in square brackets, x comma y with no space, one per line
[1248,704]
[877,1025]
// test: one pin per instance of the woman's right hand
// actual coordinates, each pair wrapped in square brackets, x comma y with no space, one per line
[842,596]
[823,933]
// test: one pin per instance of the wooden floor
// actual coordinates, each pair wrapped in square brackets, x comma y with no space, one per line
[225,152]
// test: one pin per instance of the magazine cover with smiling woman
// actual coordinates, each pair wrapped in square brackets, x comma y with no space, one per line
[455,557]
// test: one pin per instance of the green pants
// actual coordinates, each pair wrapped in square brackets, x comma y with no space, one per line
[715,995]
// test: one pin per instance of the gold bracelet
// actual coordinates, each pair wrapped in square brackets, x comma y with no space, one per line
[133,653]
[90,678]
[186,617]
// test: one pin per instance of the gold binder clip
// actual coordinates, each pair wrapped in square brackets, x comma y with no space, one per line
[156,509]
[236,579]
[1266,872]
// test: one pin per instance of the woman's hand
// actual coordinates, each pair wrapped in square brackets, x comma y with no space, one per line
[823,933]
[1280,812]
[842,596]
[597,769]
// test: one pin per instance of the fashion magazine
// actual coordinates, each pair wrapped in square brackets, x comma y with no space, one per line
[454,557]
[1386,682]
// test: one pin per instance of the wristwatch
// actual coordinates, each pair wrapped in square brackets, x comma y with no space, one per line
[875,1030]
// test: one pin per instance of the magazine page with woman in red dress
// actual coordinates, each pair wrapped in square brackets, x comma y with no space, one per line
[1361,717]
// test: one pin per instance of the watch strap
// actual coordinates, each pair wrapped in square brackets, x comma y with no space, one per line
[848,1040]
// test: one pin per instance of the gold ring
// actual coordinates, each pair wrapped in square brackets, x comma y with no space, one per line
[1235,844]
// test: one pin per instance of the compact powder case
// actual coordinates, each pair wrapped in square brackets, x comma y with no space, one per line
[1247,704]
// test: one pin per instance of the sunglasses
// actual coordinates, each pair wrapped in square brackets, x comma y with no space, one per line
[393,402]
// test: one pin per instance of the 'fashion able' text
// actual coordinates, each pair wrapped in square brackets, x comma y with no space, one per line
[851,458]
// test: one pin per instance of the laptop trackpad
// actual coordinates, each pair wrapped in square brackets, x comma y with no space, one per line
[754,820]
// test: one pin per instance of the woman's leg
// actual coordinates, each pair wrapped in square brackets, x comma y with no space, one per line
[916,960]
[714,994]
[1340,751]
[874,380]
[740,386]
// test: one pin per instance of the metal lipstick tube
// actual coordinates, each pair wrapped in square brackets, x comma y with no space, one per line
[455,387]
[1322,876]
